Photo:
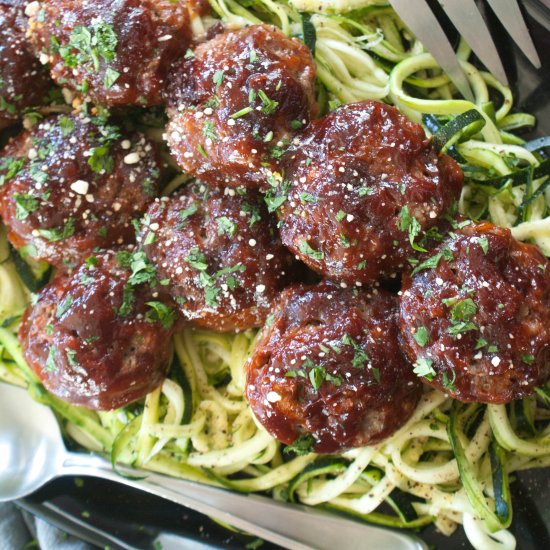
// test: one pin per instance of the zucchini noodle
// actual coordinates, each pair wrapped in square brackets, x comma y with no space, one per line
[449,464]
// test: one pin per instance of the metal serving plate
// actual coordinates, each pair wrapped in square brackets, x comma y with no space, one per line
[112,515]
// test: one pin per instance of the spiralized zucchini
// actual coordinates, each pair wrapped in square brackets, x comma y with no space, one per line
[451,462]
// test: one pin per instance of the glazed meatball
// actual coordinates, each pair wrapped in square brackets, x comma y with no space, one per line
[71,185]
[23,81]
[114,52]
[328,372]
[236,104]
[96,338]
[475,318]
[361,190]
[220,252]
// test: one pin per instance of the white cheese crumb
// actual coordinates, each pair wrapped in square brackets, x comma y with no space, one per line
[131,158]
[273,397]
[32,9]
[80,186]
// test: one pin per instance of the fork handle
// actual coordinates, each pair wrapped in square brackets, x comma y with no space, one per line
[291,526]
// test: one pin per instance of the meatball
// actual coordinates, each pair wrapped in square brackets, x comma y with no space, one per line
[221,253]
[236,104]
[97,338]
[23,81]
[328,373]
[475,317]
[114,52]
[362,189]
[72,185]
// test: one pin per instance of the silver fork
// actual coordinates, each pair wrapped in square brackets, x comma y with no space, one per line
[466,17]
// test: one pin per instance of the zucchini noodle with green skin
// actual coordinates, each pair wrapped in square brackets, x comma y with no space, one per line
[450,463]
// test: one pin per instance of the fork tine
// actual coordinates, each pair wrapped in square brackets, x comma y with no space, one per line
[510,16]
[418,16]
[466,17]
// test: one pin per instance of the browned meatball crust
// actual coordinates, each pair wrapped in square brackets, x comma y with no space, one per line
[116,52]
[361,185]
[92,344]
[476,318]
[71,185]
[221,253]
[24,82]
[237,102]
[329,370]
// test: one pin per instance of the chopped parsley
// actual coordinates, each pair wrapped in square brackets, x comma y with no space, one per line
[64,306]
[448,383]
[242,112]
[481,343]
[345,240]
[296,373]
[11,166]
[88,45]
[463,310]
[277,194]
[211,296]
[50,361]
[100,160]
[459,328]
[360,357]
[306,249]
[161,313]
[412,226]
[25,205]
[59,234]
[307,197]
[225,225]
[91,261]
[197,259]
[277,152]
[218,78]
[202,151]
[423,367]
[208,130]
[253,212]
[340,215]
[431,263]
[188,212]
[6,106]
[364,191]
[111,76]
[66,124]
[461,315]
[302,446]
[142,273]
[421,336]
[316,375]
[484,244]
[71,357]
[269,106]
